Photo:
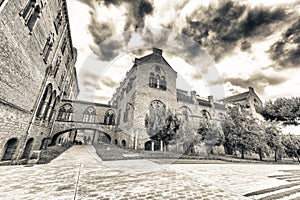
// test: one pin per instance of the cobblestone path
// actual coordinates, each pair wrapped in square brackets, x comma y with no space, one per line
[80,174]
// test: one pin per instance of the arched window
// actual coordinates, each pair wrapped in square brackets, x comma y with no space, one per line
[65,113]
[10,149]
[89,115]
[41,112]
[31,13]
[186,113]
[206,115]
[123,143]
[27,149]
[109,117]
[157,78]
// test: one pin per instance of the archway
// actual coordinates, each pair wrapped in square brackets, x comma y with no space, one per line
[148,146]
[27,149]
[10,149]
[83,135]
[123,143]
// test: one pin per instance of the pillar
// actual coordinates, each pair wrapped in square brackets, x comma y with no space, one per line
[161,145]
[152,145]
[96,137]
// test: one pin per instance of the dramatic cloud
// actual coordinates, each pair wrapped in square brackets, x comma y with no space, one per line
[286,51]
[220,28]
[258,80]
[108,82]
[137,10]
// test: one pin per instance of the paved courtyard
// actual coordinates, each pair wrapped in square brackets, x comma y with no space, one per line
[80,174]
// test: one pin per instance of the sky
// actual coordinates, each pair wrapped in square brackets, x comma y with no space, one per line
[211,44]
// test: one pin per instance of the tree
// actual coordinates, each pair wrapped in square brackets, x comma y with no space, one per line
[211,134]
[286,110]
[169,132]
[273,138]
[241,131]
[291,146]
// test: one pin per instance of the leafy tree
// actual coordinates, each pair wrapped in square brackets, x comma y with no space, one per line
[286,110]
[291,146]
[273,139]
[169,131]
[211,134]
[241,131]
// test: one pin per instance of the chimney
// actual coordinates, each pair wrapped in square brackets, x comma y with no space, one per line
[211,99]
[157,51]
[251,89]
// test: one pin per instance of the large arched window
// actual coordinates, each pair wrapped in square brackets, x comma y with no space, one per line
[157,117]
[157,78]
[89,115]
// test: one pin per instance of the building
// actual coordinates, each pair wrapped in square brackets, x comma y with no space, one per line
[138,110]
[248,100]
[37,70]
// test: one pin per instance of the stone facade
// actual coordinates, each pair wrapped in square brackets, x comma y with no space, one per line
[248,100]
[37,70]
[150,81]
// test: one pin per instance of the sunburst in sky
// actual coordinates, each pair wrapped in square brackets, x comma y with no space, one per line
[250,43]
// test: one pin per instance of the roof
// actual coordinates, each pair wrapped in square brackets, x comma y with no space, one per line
[155,57]
[237,97]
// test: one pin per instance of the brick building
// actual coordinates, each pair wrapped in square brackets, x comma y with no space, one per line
[37,70]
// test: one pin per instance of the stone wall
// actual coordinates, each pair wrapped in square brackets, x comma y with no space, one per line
[32,58]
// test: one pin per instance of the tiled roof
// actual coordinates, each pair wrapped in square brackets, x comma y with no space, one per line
[237,97]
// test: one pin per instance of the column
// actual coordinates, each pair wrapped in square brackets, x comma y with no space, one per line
[152,145]
[161,145]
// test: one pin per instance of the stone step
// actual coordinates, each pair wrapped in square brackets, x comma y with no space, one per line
[276,192]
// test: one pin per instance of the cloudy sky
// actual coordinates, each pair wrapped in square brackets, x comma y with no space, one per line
[238,43]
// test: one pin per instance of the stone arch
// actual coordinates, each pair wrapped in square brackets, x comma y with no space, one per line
[89,115]
[10,149]
[27,150]
[103,137]
[44,101]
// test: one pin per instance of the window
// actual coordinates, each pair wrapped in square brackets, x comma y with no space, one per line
[157,79]
[89,115]
[109,117]
[65,113]
[63,46]
[48,47]
[57,64]
[58,21]
[31,13]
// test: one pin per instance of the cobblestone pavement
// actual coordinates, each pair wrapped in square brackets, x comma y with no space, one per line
[80,174]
